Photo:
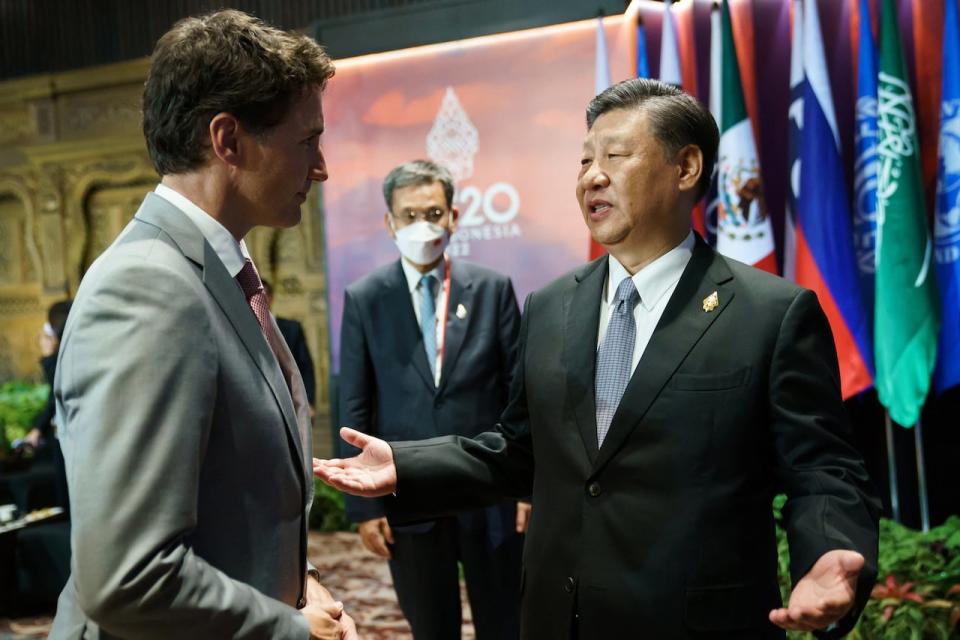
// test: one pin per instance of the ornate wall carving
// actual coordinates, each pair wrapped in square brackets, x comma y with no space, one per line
[73,171]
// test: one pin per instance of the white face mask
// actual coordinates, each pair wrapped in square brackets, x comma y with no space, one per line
[422,242]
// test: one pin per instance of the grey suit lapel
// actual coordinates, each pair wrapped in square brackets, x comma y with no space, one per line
[224,289]
[582,313]
[683,322]
[228,295]
[461,293]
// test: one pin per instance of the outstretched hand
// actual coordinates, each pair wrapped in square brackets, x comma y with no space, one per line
[370,474]
[824,595]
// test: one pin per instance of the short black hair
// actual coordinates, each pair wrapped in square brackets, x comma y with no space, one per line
[57,316]
[676,117]
[417,172]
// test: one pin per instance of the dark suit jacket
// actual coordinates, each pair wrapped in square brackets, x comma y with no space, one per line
[296,339]
[668,528]
[44,419]
[386,387]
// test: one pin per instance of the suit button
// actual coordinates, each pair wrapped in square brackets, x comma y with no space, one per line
[568,585]
[593,489]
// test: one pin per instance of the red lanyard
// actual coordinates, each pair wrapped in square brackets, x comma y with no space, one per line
[442,331]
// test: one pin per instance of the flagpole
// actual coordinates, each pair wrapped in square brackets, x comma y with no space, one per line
[921,477]
[892,469]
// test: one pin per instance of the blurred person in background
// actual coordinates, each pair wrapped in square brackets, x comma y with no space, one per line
[296,339]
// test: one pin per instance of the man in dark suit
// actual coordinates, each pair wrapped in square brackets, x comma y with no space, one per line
[428,346]
[295,337]
[664,395]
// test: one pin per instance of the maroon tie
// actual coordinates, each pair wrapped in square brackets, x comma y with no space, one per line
[252,287]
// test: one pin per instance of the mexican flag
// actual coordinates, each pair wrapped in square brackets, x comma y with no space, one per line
[744,231]
[906,317]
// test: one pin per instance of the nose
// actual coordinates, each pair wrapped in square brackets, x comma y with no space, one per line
[318,172]
[594,177]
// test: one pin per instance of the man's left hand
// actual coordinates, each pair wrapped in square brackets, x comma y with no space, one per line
[317,593]
[824,595]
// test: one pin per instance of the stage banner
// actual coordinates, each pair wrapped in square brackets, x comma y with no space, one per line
[504,113]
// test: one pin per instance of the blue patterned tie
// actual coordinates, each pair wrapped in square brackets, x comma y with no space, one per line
[428,320]
[615,356]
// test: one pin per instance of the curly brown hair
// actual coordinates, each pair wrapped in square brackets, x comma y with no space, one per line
[226,61]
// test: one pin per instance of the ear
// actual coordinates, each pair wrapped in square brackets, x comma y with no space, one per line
[388,223]
[224,133]
[454,219]
[689,162]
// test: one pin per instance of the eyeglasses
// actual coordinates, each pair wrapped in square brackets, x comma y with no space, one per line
[409,216]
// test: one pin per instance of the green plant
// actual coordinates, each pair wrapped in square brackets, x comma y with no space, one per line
[918,592]
[19,403]
[328,512]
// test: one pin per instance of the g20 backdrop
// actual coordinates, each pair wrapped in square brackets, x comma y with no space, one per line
[506,114]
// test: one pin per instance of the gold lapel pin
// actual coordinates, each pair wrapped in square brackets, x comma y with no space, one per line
[461,311]
[711,302]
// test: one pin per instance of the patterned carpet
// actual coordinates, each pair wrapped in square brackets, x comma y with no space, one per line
[358,578]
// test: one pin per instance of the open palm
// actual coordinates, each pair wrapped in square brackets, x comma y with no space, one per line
[824,595]
[370,474]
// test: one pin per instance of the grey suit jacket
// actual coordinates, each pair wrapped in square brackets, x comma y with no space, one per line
[187,449]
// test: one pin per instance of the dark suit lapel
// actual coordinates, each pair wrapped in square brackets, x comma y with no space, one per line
[227,293]
[461,293]
[398,308]
[683,322]
[581,307]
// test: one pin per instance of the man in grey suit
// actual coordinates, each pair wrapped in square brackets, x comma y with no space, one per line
[185,424]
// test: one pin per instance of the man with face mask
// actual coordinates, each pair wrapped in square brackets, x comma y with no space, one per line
[428,347]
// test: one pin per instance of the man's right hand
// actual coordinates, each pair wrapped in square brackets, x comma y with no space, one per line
[325,620]
[370,474]
[376,535]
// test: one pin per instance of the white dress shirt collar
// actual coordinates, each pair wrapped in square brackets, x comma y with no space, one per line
[231,253]
[657,278]
[413,276]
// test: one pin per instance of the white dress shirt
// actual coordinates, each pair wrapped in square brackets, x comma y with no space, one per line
[439,303]
[656,283]
[231,253]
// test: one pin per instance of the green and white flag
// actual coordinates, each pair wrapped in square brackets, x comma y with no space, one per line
[906,318]
[744,231]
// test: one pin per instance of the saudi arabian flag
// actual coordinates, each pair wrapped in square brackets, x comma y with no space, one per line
[906,315]
[744,231]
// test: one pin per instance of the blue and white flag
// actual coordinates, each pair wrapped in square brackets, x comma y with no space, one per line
[643,67]
[866,163]
[947,220]
[669,54]
[795,115]
[601,73]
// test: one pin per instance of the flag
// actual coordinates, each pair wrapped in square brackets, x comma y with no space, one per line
[643,67]
[825,258]
[866,163]
[795,114]
[669,54]
[744,231]
[716,59]
[947,220]
[906,314]
[601,79]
